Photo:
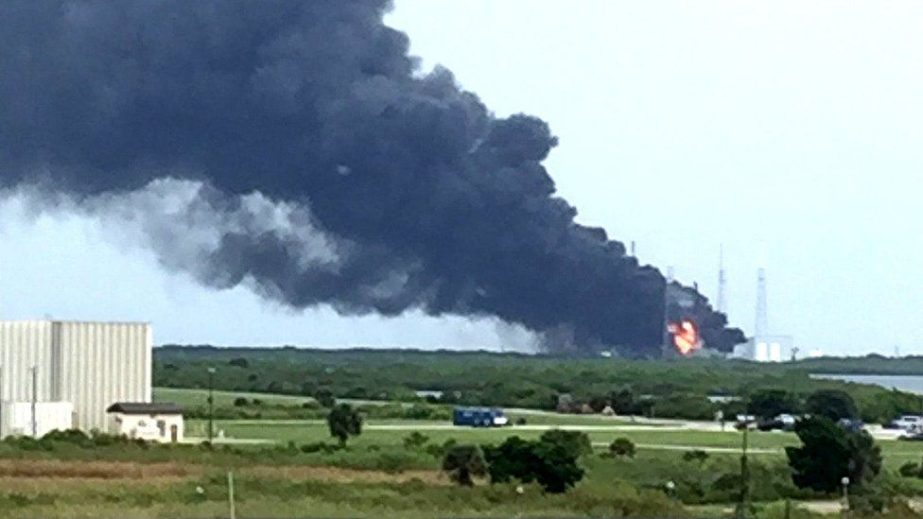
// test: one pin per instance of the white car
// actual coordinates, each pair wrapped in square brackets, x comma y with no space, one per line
[786,420]
[908,422]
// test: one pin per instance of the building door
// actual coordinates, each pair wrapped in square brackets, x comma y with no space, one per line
[174,433]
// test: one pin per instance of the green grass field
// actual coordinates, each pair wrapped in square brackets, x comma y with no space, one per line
[392,432]
[377,476]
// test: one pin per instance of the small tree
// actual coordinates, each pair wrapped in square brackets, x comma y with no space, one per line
[325,398]
[769,403]
[344,421]
[831,403]
[828,453]
[576,443]
[550,463]
[622,447]
[240,402]
[623,402]
[464,461]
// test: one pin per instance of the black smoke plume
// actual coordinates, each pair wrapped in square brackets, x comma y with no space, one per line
[292,145]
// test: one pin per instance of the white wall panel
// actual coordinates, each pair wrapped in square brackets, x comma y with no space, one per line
[24,345]
[106,363]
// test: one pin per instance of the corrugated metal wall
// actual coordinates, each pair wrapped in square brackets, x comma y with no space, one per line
[103,363]
[91,365]
[25,344]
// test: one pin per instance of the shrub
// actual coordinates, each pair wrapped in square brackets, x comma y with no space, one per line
[240,402]
[697,455]
[438,451]
[552,464]
[622,447]
[415,440]
[325,398]
[462,462]
[575,443]
[318,447]
[910,470]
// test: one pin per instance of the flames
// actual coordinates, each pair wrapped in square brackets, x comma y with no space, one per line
[685,336]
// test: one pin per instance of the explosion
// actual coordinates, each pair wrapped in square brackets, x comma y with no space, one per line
[685,337]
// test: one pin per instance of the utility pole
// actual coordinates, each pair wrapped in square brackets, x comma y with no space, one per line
[232,512]
[211,404]
[34,401]
[722,282]
[743,507]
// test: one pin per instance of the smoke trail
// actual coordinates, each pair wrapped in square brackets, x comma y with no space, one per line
[313,162]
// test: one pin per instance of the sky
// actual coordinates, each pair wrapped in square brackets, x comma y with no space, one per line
[787,132]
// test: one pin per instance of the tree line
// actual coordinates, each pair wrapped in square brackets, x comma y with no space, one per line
[678,388]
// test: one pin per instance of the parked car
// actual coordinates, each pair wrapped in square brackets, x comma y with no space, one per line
[912,436]
[783,422]
[851,424]
[907,422]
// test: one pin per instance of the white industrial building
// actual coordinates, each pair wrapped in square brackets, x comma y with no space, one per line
[58,373]
[766,348]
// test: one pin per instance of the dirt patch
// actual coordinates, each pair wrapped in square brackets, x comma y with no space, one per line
[340,475]
[93,469]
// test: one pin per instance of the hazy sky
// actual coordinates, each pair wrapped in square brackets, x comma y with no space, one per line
[790,132]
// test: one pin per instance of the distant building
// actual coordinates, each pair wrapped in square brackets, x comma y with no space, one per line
[766,348]
[68,373]
[146,421]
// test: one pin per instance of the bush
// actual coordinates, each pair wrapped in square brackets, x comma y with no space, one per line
[240,402]
[552,464]
[575,443]
[415,440]
[910,470]
[697,455]
[319,447]
[438,451]
[622,447]
[464,461]
[325,398]
[769,403]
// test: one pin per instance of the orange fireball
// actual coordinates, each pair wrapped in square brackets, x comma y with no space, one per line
[685,337]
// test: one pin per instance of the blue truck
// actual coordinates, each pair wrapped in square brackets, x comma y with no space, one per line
[478,417]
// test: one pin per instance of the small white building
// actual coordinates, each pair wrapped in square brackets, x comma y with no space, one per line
[158,422]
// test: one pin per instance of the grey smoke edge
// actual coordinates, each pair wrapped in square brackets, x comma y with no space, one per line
[326,171]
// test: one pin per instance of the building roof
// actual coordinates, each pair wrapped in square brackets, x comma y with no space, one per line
[145,408]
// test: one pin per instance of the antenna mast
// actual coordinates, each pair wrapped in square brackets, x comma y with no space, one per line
[722,283]
[762,313]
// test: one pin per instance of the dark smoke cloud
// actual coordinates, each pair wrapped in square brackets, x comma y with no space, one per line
[297,139]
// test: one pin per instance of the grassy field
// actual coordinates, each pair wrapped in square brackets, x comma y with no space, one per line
[198,397]
[601,429]
[377,476]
